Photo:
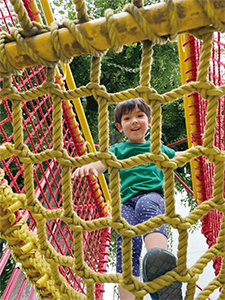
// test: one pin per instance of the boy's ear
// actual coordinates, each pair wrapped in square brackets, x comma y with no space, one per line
[119,127]
[149,121]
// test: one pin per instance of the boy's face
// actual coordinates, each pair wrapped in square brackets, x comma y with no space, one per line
[134,125]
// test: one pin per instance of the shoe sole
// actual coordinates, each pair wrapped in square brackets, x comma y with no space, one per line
[157,262]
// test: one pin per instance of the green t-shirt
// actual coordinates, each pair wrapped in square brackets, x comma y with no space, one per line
[146,177]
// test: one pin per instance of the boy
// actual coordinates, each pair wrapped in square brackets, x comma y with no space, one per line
[141,197]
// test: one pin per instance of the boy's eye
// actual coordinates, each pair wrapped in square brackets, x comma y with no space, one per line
[127,118]
[141,115]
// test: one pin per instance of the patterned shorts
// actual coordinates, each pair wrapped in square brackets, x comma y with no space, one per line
[135,211]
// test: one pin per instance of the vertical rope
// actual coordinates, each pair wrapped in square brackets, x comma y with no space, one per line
[169,192]
[172,12]
[190,291]
[156,127]
[103,127]
[127,259]
[205,57]
[218,182]
[81,11]
[145,77]
[78,249]
[22,15]
[114,179]
[103,117]
[182,252]
[95,72]
[111,31]
[29,184]
[67,191]
[212,101]
[17,124]
[146,62]
[90,290]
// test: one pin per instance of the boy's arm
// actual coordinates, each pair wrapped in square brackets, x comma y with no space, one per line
[94,168]
[178,153]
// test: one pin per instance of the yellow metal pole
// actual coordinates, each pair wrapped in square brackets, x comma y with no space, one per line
[184,52]
[79,109]
[190,15]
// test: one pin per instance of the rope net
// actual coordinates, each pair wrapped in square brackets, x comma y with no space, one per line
[38,136]
[57,245]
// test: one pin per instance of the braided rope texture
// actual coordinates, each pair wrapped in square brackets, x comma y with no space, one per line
[39,259]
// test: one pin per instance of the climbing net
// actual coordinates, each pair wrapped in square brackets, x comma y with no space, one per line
[202,176]
[37,255]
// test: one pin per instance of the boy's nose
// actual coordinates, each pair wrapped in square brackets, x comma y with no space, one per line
[134,120]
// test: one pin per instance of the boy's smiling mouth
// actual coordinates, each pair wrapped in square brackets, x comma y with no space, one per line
[135,129]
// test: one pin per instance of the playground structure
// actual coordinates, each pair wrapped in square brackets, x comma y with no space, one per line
[64,261]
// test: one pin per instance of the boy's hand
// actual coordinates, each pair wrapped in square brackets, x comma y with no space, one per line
[84,171]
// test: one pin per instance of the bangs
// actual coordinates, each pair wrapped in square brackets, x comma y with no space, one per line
[129,105]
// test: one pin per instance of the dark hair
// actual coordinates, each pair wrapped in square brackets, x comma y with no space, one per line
[128,105]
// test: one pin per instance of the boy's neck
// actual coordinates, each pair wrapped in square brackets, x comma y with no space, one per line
[132,142]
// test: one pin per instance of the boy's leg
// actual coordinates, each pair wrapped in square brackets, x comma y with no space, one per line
[155,239]
[125,294]
[128,213]
[157,260]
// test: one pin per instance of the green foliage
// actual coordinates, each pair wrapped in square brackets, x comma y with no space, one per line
[121,71]
[112,249]
[165,74]
[63,9]
[173,123]
[7,126]
[95,8]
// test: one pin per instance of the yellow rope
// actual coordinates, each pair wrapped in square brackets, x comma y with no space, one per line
[50,284]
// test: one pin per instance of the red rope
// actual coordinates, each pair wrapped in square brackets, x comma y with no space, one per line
[211,222]
[29,10]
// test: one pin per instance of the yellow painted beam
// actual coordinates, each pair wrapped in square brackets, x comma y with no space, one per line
[190,15]
[184,52]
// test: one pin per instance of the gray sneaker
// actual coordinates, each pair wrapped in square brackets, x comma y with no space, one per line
[157,262]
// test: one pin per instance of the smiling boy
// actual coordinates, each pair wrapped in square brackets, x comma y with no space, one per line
[141,197]
[133,120]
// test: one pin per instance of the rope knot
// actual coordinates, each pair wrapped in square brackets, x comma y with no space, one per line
[6,150]
[53,89]
[193,276]
[214,91]
[102,92]
[111,30]
[211,153]
[208,89]
[113,162]
[181,224]
[32,30]
[9,93]
[163,161]
[26,154]
[56,43]
[94,88]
